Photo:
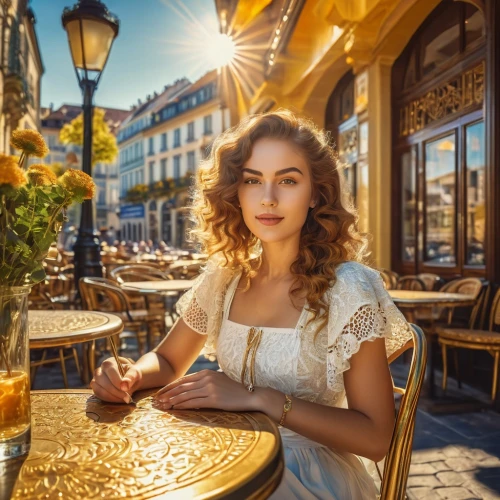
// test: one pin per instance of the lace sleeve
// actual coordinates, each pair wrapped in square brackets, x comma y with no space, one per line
[360,310]
[201,307]
[194,314]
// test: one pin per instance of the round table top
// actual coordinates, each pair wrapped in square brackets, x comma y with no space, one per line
[59,328]
[184,263]
[93,449]
[411,298]
[157,286]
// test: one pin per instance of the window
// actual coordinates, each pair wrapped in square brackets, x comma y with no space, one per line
[163,168]
[151,150]
[151,172]
[207,125]
[475,218]
[102,197]
[177,166]
[449,31]
[163,142]
[440,200]
[177,137]
[190,132]
[408,164]
[191,161]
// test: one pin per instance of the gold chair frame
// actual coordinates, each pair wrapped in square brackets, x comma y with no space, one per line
[397,460]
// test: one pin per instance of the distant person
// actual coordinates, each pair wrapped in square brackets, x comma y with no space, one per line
[297,322]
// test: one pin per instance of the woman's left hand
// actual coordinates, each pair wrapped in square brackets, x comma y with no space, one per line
[205,389]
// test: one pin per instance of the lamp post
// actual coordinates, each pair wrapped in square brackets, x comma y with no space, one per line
[91,30]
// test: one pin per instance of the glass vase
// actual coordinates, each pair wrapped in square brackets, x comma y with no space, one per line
[15,415]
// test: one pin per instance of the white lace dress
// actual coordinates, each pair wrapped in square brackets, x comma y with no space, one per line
[288,360]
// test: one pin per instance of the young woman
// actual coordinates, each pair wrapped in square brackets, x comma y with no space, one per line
[286,306]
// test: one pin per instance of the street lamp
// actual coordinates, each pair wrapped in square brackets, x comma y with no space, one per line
[91,30]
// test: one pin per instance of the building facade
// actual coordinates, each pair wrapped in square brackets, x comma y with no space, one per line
[107,200]
[21,70]
[178,135]
[410,93]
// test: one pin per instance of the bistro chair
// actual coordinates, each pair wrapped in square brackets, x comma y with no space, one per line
[390,278]
[478,340]
[102,294]
[397,460]
[432,281]
[154,304]
[39,299]
[411,282]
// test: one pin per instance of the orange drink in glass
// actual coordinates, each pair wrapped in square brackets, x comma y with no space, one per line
[14,404]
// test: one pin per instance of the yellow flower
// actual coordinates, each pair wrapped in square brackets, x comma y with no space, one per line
[10,173]
[30,142]
[41,175]
[79,184]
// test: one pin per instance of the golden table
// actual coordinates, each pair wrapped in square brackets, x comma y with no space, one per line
[85,449]
[64,328]
[157,287]
[411,300]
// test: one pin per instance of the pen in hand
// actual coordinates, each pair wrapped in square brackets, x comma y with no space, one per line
[120,367]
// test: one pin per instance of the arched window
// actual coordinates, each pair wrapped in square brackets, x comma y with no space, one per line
[341,122]
[439,145]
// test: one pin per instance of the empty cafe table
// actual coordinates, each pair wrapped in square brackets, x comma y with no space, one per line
[158,287]
[65,328]
[411,300]
[84,448]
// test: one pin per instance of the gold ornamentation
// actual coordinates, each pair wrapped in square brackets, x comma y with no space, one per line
[286,408]
[463,91]
[64,321]
[253,341]
[85,449]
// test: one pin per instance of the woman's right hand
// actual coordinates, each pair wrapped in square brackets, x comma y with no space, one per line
[108,384]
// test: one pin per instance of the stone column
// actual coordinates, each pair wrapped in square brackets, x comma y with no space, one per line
[379,159]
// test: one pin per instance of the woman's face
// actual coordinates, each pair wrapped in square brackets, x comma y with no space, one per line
[275,193]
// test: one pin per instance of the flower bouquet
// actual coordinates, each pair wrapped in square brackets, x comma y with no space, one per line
[33,202]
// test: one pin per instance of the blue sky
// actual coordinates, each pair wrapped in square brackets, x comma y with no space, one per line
[159,41]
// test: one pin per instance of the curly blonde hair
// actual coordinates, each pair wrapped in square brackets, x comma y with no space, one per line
[330,234]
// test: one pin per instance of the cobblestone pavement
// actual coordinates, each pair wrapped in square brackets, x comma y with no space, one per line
[454,456]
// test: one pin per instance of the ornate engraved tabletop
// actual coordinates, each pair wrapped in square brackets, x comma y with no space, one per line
[158,287]
[58,328]
[85,449]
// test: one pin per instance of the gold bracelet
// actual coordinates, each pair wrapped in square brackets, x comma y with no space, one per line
[286,408]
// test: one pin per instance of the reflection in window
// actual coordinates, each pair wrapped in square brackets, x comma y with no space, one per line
[441,40]
[350,178]
[474,24]
[409,181]
[475,193]
[440,195]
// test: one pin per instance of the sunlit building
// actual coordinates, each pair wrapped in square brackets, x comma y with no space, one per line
[21,70]
[177,132]
[70,156]
[410,93]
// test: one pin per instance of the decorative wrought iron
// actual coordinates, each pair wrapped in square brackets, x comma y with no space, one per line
[454,96]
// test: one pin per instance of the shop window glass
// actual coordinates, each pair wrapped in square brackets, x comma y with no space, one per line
[475,221]
[474,24]
[441,41]
[440,201]
[409,201]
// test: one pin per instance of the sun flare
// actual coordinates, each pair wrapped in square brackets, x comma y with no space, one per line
[220,49]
